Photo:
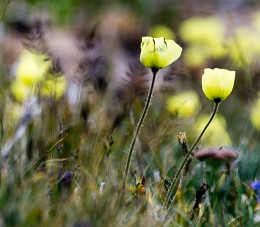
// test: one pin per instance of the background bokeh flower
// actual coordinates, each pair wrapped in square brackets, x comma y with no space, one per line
[184,104]
[207,36]
[32,67]
[54,88]
[161,30]
[216,134]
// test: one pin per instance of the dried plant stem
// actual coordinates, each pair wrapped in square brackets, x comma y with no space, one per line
[167,202]
[138,127]
[4,11]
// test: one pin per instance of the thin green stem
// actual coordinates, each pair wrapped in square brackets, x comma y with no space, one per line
[3,14]
[175,179]
[138,127]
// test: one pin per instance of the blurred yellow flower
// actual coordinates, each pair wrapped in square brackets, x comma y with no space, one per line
[184,104]
[54,88]
[20,91]
[254,113]
[244,46]
[205,38]
[206,30]
[216,134]
[217,84]
[157,53]
[32,67]
[161,31]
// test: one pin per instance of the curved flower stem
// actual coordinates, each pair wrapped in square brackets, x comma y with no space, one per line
[167,202]
[138,127]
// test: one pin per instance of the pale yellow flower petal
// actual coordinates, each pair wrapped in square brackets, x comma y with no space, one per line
[158,53]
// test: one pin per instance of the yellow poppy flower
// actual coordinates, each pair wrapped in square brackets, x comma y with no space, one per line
[157,53]
[32,67]
[217,84]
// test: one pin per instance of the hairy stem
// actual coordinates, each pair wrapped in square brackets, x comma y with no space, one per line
[138,127]
[176,177]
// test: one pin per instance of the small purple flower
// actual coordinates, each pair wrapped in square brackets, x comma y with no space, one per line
[65,179]
[256,186]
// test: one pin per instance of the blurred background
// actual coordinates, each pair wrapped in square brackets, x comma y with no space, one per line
[100,41]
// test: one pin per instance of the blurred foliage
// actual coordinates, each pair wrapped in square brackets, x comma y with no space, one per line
[67,166]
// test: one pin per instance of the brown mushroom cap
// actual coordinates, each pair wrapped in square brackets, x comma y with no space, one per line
[216,153]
